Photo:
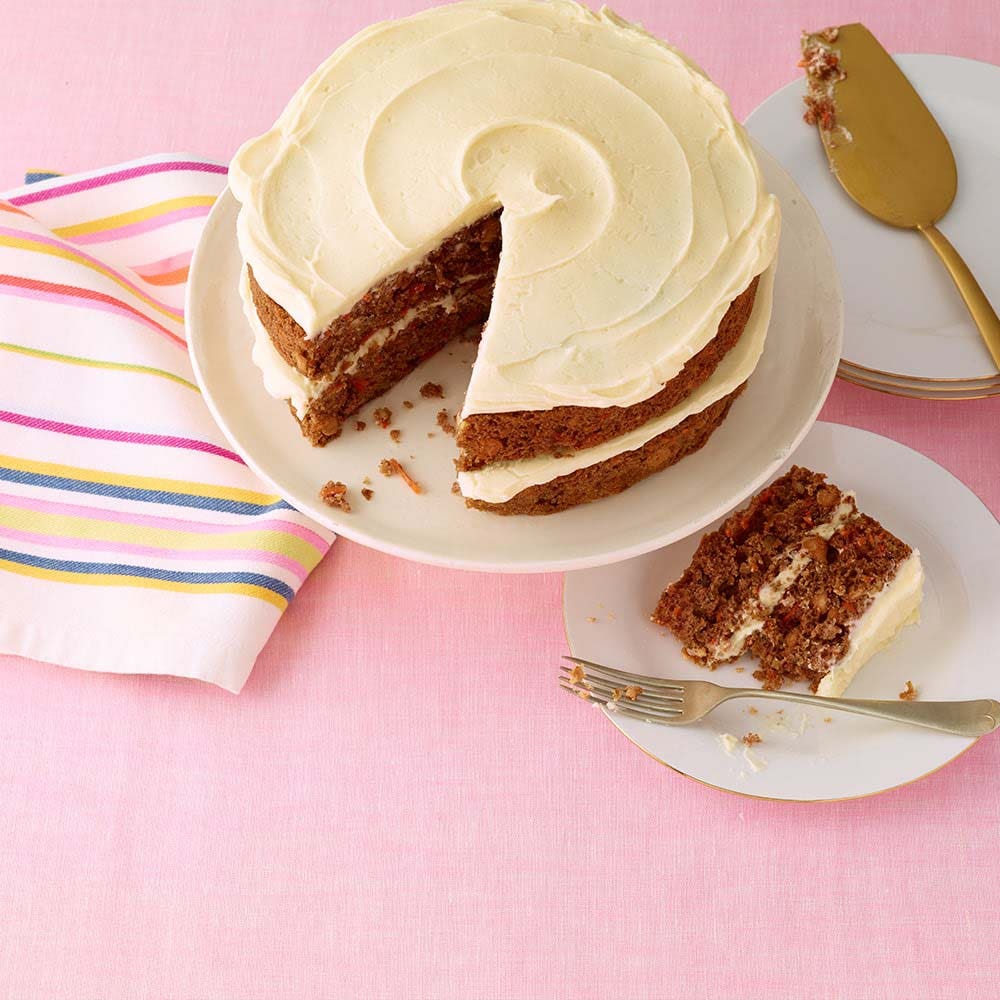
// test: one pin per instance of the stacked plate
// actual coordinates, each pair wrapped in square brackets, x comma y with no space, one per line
[906,330]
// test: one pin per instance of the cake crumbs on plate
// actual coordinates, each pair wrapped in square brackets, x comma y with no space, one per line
[751,739]
[432,390]
[365,481]
[591,619]
[456,489]
[334,494]
[367,493]
[396,435]
[382,416]
[752,710]
[431,434]
[407,405]
[909,693]
[359,425]
[739,670]
[828,719]
[444,421]
[393,467]
[576,674]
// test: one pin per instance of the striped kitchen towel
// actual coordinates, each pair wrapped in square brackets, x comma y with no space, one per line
[132,538]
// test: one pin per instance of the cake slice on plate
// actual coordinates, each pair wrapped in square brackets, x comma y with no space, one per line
[801,580]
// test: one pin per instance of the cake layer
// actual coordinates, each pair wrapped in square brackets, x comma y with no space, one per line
[810,634]
[387,356]
[618,473]
[633,208]
[507,437]
[500,482]
[468,257]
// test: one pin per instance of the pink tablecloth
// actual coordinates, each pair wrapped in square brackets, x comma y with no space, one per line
[401,803]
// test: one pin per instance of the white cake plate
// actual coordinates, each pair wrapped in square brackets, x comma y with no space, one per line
[804,757]
[765,424]
[903,314]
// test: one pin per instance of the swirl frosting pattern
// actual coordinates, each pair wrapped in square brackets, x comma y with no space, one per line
[633,208]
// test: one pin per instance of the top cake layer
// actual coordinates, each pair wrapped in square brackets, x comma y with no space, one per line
[633,208]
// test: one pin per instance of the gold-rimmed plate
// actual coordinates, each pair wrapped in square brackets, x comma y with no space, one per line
[952,389]
[802,757]
[903,317]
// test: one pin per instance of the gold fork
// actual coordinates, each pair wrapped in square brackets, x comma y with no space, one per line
[672,703]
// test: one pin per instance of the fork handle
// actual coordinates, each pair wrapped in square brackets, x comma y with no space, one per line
[963,718]
[983,313]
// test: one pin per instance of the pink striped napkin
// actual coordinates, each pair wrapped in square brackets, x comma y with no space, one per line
[132,538]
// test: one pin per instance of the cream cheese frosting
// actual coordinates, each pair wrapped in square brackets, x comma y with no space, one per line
[896,606]
[633,208]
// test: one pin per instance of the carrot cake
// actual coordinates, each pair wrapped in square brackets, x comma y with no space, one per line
[558,178]
[801,580]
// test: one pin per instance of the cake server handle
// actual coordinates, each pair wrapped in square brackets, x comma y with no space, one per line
[963,718]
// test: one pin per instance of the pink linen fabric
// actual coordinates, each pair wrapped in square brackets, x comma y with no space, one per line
[401,803]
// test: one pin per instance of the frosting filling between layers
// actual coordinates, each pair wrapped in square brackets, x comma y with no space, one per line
[633,207]
[284,381]
[502,481]
[770,594]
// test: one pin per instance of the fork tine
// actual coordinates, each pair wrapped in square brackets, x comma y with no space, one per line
[635,710]
[647,681]
[607,688]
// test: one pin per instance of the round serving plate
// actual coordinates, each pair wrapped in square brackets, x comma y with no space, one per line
[903,316]
[808,754]
[771,417]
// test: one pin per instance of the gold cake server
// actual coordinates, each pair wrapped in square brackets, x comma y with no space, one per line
[891,156]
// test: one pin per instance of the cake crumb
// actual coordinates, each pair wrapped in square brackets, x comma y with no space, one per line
[396,435]
[612,616]
[431,434]
[751,739]
[334,494]
[432,390]
[367,493]
[456,489]
[752,710]
[576,674]
[444,422]
[633,691]
[359,425]
[365,481]
[739,670]
[591,619]
[828,719]
[383,417]
[393,467]
[909,693]
[407,405]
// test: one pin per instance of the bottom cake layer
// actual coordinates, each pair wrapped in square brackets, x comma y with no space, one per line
[616,474]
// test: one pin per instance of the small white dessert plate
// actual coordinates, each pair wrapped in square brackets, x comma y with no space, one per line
[902,313]
[803,757]
[766,423]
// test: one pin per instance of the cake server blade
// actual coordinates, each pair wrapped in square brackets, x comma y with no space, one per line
[893,159]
